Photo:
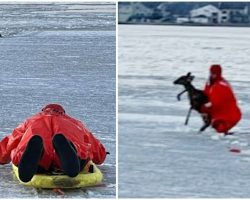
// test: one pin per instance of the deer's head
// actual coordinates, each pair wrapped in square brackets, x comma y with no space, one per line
[184,80]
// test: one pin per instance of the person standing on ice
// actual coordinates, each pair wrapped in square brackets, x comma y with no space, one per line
[222,110]
[51,140]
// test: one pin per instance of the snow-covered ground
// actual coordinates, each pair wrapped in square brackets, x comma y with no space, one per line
[72,64]
[158,155]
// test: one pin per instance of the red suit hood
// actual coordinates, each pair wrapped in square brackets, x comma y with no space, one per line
[54,108]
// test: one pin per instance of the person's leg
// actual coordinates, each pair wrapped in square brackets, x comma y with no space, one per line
[67,155]
[28,164]
[82,162]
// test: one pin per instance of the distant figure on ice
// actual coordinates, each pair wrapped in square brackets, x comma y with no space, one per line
[222,110]
[51,140]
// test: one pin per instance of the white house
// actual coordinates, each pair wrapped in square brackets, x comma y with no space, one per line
[209,11]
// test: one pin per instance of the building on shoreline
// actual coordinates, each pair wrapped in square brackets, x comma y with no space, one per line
[231,13]
[210,13]
[206,14]
[224,14]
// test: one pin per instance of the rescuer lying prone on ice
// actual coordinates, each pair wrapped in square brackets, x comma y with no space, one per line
[216,103]
[51,140]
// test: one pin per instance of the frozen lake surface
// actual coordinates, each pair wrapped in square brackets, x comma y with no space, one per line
[158,155]
[72,64]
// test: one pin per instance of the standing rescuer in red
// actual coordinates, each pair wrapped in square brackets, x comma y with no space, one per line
[51,140]
[222,108]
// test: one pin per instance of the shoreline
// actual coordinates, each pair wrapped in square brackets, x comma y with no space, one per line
[186,24]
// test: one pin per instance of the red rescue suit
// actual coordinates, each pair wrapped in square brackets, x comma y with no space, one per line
[50,121]
[222,107]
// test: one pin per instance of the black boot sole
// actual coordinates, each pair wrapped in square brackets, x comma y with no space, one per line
[67,155]
[28,164]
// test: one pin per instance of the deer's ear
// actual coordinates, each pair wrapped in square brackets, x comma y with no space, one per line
[189,73]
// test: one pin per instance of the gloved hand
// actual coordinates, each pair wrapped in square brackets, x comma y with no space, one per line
[206,108]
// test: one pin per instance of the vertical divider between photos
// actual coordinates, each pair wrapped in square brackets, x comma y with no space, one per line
[116,68]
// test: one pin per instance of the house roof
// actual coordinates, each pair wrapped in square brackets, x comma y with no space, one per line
[206,8]
[200,16]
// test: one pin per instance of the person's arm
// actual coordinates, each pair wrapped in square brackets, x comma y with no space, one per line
[97,148]
[98,151]
[218,94]
[221,94]
[10,142]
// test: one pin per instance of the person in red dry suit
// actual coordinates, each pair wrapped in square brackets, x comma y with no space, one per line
[51,140]
[222,109]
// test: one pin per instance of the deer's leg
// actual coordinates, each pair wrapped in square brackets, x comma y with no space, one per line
[204,127]
[179,95]
[188,115]
[207,122]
